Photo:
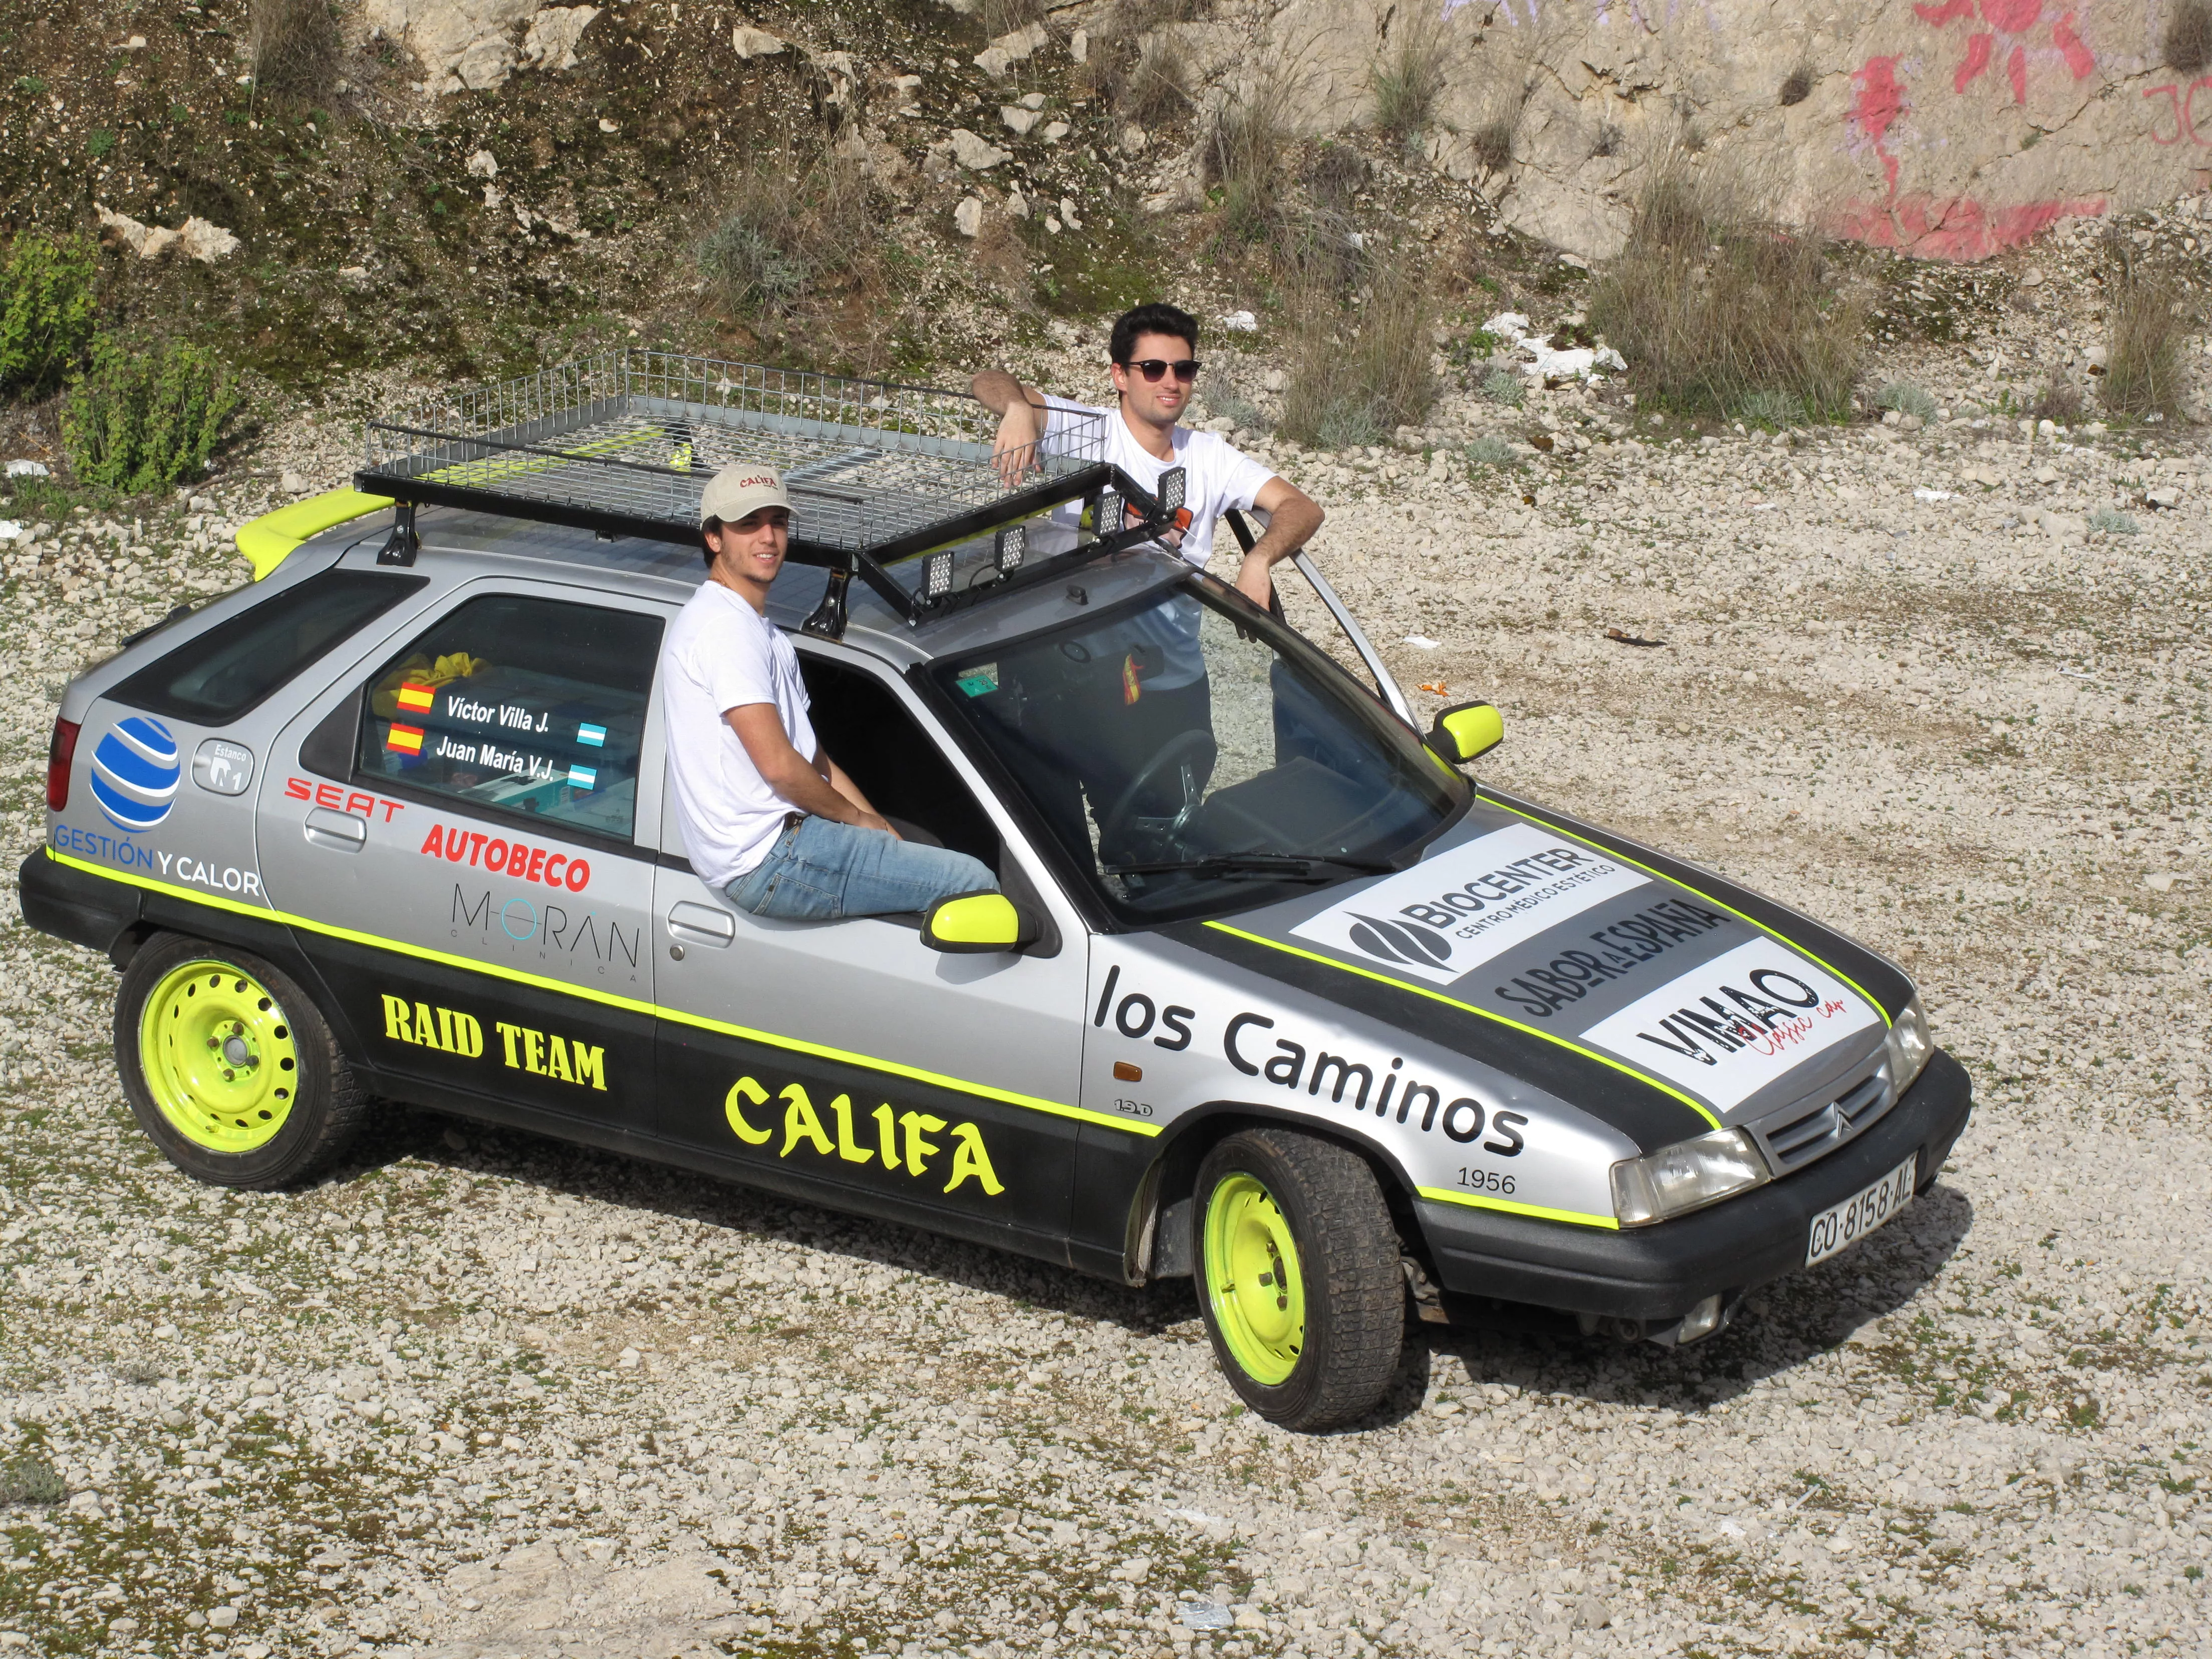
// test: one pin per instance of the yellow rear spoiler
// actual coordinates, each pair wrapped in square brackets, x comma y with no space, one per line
[266,540]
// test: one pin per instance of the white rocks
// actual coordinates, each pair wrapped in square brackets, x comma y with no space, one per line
[1018,119]
[968,216]
[2165,496]
[749,42]
[481,164]
[471,45]
[976,155]
[196,238]
[222,1618]
[1003,53]
[1055,131]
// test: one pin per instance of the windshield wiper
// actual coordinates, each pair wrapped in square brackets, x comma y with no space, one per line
[1287,866]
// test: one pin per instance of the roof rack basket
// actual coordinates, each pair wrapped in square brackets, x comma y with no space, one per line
[623,442]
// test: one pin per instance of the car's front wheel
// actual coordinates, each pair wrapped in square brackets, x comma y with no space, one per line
[230,1067]
[1298,1275]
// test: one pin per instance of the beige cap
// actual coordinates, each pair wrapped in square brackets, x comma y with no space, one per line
[739,489]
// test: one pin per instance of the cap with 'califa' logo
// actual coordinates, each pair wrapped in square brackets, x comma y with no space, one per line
[740,489]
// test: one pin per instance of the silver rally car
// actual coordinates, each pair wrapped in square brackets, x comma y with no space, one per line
[1274,994]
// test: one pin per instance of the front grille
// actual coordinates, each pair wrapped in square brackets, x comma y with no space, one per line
[1794,1136]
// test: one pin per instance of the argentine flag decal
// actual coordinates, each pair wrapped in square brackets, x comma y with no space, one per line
[583,777]
[595,736]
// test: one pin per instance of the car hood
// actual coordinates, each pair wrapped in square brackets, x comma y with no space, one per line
[1658,998]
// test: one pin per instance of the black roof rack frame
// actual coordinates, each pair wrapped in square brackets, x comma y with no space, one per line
[879,473]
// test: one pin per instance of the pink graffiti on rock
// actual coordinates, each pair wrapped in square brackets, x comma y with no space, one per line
[1881,101]
[2013,20]
[1955,227]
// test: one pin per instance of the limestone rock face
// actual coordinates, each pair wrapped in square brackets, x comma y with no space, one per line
[470,44]
[1950,128]
[196,238]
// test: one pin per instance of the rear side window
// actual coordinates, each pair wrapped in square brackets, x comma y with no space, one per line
[214,678]
[522,706]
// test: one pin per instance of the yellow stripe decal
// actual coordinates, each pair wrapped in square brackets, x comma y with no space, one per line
[1690,1101]
[1446,1195]
[819,1051]
[1874,1003]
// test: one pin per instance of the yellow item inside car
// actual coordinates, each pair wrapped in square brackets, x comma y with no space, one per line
[419,670]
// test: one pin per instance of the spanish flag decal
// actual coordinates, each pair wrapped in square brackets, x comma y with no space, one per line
[417,699]
[1131,688]
[403,739]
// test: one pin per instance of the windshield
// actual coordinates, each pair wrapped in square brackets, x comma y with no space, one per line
[1193,759]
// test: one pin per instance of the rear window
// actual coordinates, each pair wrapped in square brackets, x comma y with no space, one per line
[214,678]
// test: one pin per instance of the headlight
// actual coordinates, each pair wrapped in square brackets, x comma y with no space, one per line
[1677,1179]
[1908,1044]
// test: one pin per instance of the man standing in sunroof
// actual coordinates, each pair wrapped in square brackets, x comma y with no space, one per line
[1149,697]
[1153,361]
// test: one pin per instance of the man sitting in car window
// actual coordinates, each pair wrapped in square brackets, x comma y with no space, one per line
[768,817]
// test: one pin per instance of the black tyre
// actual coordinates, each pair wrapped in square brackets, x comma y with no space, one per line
[230,1068]
[1297,1274]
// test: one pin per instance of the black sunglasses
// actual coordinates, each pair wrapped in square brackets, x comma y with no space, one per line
[1153,368]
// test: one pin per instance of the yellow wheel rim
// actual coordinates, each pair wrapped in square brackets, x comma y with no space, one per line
[1253,1279]
[218,1057]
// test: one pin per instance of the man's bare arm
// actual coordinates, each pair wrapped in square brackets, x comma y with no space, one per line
[1021,412]
[1292,518]
[790,774]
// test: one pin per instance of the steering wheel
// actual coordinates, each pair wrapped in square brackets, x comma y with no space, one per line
[1193,751]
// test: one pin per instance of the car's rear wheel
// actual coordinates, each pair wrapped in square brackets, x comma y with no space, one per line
[230,1067]
[1298,1276]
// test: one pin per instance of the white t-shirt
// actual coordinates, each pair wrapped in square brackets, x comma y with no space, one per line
[1216,475]
[721,653]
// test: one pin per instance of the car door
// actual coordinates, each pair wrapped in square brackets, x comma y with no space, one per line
[846,1061]
[455,822]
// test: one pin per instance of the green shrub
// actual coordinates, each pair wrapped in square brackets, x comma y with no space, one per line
[1907,399]
[31,1480]
[141,417]
[296,47]
[45,312]
[1771,410]
[1489,451]
[1504,387]
[2112,521]
[1409,75]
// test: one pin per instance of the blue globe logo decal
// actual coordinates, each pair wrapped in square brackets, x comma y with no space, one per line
[135,773]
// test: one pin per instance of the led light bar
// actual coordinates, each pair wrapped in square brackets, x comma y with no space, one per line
[1014,547]
[937,578]
[1171,491]
[1107,519]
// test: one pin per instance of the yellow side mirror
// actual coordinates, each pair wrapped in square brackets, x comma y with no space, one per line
[1466,730]
[974,924]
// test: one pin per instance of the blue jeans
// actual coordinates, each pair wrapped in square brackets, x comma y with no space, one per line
[820,870]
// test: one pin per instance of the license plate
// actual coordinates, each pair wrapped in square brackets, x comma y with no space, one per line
[1854,1217]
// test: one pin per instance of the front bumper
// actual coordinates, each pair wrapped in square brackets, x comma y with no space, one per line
[1656,1274]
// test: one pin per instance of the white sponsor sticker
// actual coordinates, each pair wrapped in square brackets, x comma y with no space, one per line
[1449,915]
[1727,1029]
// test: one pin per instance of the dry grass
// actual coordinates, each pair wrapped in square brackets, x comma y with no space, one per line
[2057,400]
[792,237]
[1247,152]
[1796,86]
[1711,302]
[1359,371]
[2187,47]
[1407,76]
[2146,324]
[296,48]
[1140,71]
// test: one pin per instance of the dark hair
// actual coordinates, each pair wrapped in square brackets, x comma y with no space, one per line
[705,525]
[1152,318]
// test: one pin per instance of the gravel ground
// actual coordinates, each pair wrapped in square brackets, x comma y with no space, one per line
[481,1395]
